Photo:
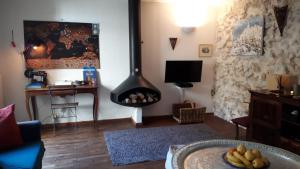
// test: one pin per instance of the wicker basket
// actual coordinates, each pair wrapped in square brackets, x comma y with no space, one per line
[187,112]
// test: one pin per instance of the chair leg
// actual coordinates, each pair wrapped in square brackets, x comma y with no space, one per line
[54,121]
[237,132]
[76,127]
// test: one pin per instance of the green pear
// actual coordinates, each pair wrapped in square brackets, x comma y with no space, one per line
[249,155]
[241,149]
[258,163]
[256,153]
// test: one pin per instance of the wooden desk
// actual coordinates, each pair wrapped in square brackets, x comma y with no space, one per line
[30,94]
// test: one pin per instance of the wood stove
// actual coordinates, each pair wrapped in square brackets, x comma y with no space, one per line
[135,91]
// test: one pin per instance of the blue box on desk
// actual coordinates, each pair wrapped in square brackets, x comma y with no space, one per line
[89,74]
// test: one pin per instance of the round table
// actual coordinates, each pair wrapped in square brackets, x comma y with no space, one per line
[208,155]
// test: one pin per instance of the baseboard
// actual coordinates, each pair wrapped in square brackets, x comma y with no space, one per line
[137,125]
[157,117]
[85,123]
[210,114]
[170,116]
[109,121]
[68,124]
[113,120]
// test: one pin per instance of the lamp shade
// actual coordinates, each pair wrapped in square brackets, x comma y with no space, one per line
[190,13]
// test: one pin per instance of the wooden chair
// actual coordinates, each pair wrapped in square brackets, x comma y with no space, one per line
[185,113]
[68,92]
[241,121]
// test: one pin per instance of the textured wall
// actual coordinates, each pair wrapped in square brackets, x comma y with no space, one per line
[235,75]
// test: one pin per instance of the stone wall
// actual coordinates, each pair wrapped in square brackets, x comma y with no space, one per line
[235,75]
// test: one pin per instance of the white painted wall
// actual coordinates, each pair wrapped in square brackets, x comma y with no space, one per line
[114,50]
[158,25]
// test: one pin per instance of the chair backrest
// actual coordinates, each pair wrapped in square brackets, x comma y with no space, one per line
[62,91]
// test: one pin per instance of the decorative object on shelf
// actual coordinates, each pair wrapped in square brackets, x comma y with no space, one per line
[173,42]
[90,75]
[52,45]
[38,78]
[279,79]
[296,90]
[273,81]
[281,17]
[287,82]
[205,50]
[248,37]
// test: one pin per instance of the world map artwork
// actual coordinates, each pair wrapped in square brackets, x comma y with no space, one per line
[61,45]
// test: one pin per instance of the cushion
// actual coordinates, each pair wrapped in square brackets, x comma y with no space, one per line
[9,131]
[28,156]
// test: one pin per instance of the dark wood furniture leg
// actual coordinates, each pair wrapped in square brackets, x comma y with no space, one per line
[237,132]
[28,107]
[241,121]
[95,107]
[34,107]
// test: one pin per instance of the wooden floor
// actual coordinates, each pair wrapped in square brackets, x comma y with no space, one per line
[84,147]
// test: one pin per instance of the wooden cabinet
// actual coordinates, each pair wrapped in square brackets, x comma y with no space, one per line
[274,120]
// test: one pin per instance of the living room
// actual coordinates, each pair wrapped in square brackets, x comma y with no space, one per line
[232,79]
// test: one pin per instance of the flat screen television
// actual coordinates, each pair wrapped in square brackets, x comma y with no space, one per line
[183,71]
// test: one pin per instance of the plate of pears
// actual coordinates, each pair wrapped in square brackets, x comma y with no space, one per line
[241,157]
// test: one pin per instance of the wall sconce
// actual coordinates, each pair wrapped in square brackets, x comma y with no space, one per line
[188,29]
[190,14]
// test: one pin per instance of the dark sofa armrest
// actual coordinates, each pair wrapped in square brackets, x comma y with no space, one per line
[30,131]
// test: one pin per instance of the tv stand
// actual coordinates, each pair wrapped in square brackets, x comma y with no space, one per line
[181,87]
[184,84]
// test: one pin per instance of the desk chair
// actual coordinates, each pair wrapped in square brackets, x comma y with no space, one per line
[241,121]
[68,107]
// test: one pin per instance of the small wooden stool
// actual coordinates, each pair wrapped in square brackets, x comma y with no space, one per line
[241,121]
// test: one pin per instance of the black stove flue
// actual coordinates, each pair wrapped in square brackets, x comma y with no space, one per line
[135,91]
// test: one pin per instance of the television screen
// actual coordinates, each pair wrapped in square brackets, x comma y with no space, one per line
[183,71]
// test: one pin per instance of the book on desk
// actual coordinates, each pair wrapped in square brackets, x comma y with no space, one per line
[35,85]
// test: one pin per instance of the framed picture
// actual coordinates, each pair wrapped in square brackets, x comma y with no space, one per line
[61,45]
[248,37]
[205,50]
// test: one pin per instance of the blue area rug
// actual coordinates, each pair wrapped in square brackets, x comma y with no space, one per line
[150,144]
